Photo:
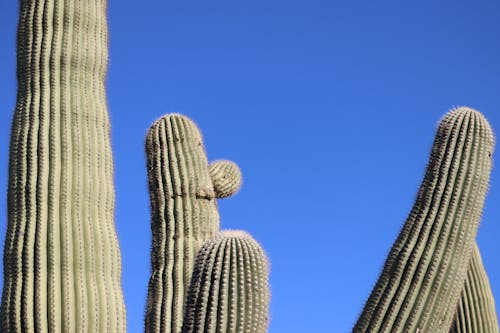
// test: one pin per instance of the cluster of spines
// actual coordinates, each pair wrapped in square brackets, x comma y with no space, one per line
[476,309]
[424,273]
[229,291]
[62,261]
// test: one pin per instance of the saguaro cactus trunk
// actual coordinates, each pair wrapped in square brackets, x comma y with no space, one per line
[420,285]
[62,265]
[184,215]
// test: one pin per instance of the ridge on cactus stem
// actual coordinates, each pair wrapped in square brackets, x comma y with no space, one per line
[420,284]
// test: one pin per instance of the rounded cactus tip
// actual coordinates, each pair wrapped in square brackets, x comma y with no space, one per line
[239,236]
[176,116]
[182,127]
[226,178]
[464,113]
[233,234]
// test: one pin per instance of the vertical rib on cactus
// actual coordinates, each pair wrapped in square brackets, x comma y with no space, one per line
[229,292]
[476,310]
[184,215]
[62,266]
[424,273]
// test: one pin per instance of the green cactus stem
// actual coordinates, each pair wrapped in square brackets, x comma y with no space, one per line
[476,309]
[420,284]
[229,291]
[62,265]
[184,215]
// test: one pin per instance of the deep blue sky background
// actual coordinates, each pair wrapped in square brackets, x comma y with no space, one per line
[329,108]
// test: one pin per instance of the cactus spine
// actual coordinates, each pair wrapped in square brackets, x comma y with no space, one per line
[62,265]
[476,309]
[423,276]
[229,291]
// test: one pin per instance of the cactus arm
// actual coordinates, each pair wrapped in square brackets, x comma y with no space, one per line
[62,262]
[229,291]
[226,177]
[423,275]
[476,311]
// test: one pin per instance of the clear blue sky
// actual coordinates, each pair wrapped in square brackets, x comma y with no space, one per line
[329,108]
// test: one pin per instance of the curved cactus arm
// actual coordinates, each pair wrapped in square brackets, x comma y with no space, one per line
[183,194]
[62,265]
[423,276]
[476,311]
[229,292]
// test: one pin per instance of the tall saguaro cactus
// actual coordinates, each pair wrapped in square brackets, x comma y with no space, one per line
[424,274]
[62,265]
